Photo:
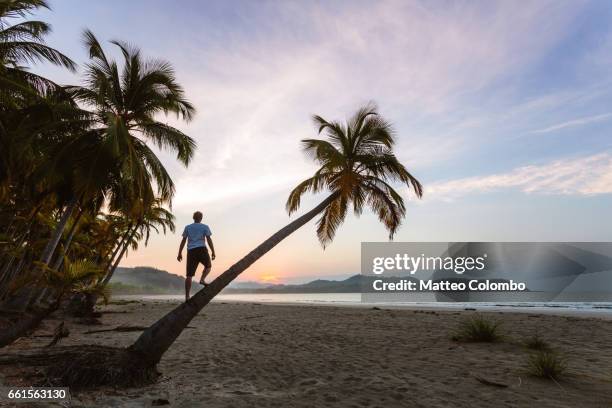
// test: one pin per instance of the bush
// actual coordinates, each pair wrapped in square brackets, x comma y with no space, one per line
[547,364]
[477,329]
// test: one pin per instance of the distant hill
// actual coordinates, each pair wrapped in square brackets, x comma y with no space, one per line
[147,280]
[248,285]
[354,284]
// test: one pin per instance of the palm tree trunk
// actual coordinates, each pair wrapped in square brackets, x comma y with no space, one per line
[6,275]
[6,269]
[40,295]
[71,234]
[126,244]
[57,233]
[46,293]
[154,341]
[6,284]
[118,247]
[47,255]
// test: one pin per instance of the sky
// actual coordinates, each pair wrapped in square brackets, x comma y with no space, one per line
[502,109]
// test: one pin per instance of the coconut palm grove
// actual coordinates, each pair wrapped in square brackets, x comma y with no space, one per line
[80,185]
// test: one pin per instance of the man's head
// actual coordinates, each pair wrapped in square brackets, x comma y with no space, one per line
[197,216]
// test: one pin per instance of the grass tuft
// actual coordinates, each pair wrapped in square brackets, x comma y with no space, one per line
[547,364]
[477,329]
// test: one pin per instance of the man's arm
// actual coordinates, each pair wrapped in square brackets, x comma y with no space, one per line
[212,247]
[180,254]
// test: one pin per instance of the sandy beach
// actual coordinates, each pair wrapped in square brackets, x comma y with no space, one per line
[252,355]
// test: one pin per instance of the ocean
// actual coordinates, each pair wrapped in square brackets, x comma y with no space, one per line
[603,309]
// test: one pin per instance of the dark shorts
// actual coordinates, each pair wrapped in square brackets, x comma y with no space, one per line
[195,257]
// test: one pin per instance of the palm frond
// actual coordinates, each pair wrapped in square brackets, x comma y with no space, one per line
[335,132]
[27,82]
[389,213]
[20,8]
[25,31]
[330,220]
[96,52]
[33,52]
[381,162]
[313,184]
[160,175]
[323,152]
[165,136]
[375,132]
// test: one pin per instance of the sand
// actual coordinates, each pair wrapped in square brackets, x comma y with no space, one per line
[263,355]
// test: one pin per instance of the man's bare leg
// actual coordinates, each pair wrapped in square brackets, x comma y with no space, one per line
[187,287]
[204,275]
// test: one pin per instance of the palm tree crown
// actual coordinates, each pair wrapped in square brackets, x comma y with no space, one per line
[357,166]
[125,103]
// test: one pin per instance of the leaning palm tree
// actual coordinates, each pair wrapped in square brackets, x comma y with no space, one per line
[357,165]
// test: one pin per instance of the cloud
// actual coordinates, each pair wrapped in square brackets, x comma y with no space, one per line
[255,90]
[588,175]
[574,122]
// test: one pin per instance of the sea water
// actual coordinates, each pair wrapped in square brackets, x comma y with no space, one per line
[604,309]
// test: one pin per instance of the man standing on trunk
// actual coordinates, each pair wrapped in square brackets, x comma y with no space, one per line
[196,235]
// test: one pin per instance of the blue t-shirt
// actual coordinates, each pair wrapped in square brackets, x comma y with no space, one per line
[195,234]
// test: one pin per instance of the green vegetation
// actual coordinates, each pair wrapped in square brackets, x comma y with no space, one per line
[477,328]
[544,361]
[67,152]
[547,364]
